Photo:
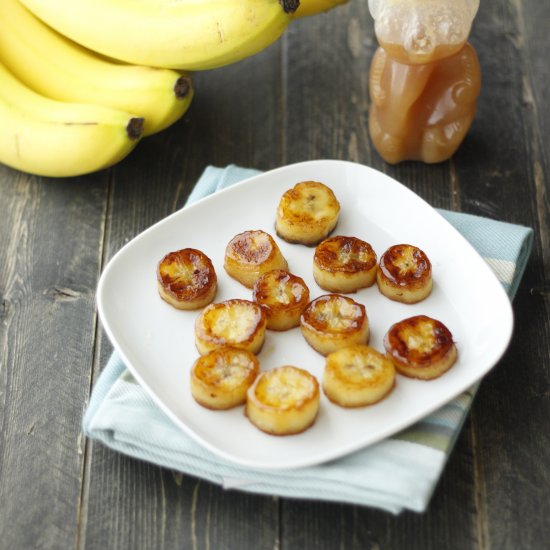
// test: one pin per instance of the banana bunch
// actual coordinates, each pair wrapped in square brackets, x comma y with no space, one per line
[179,34]
[81,82]
[43,136]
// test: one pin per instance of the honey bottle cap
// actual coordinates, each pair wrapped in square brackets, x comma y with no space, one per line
[423,30]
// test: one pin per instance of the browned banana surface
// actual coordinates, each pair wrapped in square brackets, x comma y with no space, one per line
[283,296]
[420,347]
[238,323]
[307,213]
[344,264]
[187,279]
[283,401]
[405,273]
[221,378]
[331,322]
[251,253]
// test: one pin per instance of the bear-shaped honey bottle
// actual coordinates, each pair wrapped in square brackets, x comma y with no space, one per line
[424,79]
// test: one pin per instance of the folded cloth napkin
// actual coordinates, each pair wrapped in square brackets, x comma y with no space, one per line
[398,473]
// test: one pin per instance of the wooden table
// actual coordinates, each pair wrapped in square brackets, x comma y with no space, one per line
[305,97]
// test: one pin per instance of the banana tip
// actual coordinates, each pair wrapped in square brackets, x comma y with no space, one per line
[134,129]
[182,87]
[290,6]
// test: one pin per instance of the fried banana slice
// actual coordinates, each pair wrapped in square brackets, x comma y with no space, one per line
[221,378]
[251,253]
[186,279]
[236,323]
[404,274]
[283,296]
[283,401]
[331,322]
[307,213]
[344,264]
[357,376]
[420,347]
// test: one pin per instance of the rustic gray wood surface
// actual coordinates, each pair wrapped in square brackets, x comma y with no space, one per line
[305,97]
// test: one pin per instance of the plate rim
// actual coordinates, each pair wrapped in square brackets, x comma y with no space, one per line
[106,324]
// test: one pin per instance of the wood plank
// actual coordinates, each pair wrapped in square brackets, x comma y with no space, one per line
[510,446]
[329,119]
[51,231]
[305,97]
[449,522]
[234,119]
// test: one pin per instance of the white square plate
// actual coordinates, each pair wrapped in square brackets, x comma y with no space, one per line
[156,341]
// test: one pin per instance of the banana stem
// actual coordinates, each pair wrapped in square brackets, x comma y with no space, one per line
[290,6]
[182,87]
[134,129]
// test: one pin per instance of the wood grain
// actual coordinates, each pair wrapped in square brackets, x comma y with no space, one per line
[52,232]
[177,511]
[513,403]
[305,97]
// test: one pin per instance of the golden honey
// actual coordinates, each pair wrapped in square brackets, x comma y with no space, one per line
[425,78]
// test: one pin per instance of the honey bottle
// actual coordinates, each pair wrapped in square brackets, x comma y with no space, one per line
[424,78]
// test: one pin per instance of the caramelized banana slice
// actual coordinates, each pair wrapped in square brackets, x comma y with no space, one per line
[283,296]
[307,213]
[283,401]
[237,323]
[332,322]
[221,378]
[186,279]
[404,274]
[344,264]
[251,253]
[420,347]
[357,376]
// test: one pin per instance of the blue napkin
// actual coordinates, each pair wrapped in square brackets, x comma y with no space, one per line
[398,473]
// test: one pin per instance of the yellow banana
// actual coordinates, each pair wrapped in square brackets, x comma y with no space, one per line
[313,7]
[182,34]
[46,137]
[54,66]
